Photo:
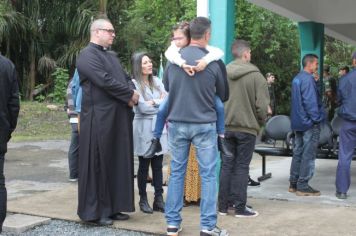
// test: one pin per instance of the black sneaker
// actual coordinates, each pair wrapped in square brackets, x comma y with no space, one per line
[214,232]
[292,187]
[246,213]
[153,149]
[341,195]
[73,179]
[222,146]
[309,191]
[173,230]
[253,183]
[222,212]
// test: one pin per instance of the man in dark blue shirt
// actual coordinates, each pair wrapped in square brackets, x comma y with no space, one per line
[306,115]
[192,117]
[347,134]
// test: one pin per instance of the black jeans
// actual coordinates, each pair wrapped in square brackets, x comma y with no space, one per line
[73,152]
[142,174]
[235,170]
[3,193]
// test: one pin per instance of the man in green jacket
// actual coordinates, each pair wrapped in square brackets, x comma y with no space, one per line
[245,112]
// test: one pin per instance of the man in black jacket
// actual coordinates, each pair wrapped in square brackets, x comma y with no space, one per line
[9,110]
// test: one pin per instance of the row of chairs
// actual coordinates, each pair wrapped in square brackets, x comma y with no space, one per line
[278,128]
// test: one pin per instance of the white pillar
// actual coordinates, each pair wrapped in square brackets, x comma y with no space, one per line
[203,8]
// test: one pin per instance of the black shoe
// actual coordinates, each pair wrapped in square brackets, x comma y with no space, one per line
[253,183]
[341,195]
[309,191]
[223,147]
[292,187]
[223,211]
[144,206]
[103,221]
[120,216]
[158,204]
[153,149]
[246,213]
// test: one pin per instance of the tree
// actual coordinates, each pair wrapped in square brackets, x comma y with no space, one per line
[274,44]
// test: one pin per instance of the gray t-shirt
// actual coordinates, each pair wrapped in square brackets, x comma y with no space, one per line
[191,99]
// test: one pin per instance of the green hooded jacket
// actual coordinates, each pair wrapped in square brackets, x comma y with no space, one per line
[246,110]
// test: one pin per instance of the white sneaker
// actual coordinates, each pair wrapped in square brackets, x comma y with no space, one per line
[73,179]
[214,232]
[173,230]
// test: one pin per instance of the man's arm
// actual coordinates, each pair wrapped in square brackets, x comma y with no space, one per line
[165,78]
[92,67]
[222,86]
[310,101]
[262,98]
[13,104]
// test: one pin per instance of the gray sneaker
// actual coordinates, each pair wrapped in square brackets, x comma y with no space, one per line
[214,232]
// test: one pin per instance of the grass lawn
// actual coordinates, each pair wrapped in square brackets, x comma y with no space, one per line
[36,122]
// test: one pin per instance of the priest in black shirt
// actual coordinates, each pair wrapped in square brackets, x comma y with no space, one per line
[106,168]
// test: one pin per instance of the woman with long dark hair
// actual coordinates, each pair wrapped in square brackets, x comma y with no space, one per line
[152,93]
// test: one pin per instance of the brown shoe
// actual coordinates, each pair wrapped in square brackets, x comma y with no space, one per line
[292,187]
[309,191]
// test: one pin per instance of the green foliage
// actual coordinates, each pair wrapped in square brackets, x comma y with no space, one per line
[60,77]
[150,23]
[337,54]
[53,32]
[37,122]
[275,46]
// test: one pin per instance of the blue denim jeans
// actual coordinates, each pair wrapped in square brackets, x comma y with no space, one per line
[163,114]
[220,114]
[346,151]
[161,118]
[203,137]
[304,154]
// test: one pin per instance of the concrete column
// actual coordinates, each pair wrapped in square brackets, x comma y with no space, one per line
[222,16]
[203,8]
[312,41]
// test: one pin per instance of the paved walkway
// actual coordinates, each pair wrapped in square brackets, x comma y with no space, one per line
[37,185]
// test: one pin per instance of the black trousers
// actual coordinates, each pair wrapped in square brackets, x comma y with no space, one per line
[3,193]
[142,174]
[73,152]
[235,170]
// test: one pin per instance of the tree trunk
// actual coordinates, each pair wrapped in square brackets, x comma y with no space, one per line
[102,8]
[32,77]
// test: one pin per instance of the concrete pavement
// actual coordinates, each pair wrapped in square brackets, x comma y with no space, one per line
[37,185]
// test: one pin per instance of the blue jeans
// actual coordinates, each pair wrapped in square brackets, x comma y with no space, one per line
[163,114]
[203,137]
[161,118]
[304,153]
[220,114]
[346,150]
